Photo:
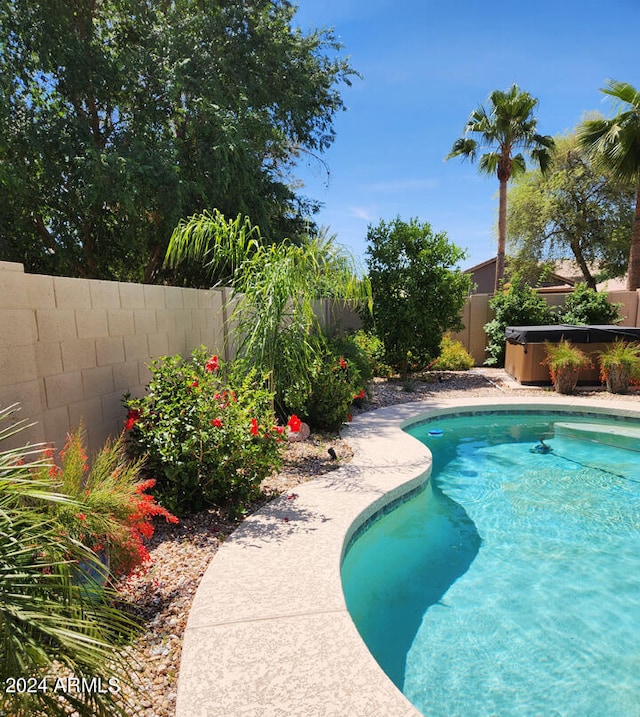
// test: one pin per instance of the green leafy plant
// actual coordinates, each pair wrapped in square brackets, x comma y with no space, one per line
[206,430]
[112,513]
[335,384]
[352,350]
[620,365]
[453,356]
[417,292]
[49,628]
[516,304]
[565,361]
[373,347]
[586,306]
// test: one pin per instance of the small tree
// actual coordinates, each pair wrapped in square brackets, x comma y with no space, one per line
[417,294]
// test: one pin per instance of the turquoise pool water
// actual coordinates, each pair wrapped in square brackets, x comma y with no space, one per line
[509,585]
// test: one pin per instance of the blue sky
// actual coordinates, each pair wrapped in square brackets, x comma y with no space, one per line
[426,64]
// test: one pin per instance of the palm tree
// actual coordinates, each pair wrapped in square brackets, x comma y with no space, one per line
[506,125]
[615,144]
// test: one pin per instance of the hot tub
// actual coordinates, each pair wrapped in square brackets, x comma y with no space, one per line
[525,350]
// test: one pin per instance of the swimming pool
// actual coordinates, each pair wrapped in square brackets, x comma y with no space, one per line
[509,583]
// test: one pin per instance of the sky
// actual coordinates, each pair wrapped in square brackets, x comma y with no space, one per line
[425,66]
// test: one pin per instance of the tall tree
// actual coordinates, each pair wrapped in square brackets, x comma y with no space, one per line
[505,126]
[572,211]
[615,144]
[119,117]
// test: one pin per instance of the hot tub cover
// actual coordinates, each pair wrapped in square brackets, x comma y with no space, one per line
[576,334]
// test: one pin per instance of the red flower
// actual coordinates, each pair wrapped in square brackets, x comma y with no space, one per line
[81,516]
[294,424]
[254,426]
[132,417]
[362,393]
[343,363]
[195,384]
[212,364]
[216,422]
[349,417]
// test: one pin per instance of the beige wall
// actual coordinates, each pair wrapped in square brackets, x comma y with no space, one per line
[70,348]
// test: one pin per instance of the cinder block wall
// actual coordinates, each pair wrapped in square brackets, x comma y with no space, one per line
[70,348]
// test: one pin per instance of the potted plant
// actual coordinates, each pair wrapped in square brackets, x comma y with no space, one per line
[565,361]
[619,364]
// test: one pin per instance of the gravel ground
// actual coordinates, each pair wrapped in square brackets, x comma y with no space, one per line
[181,553]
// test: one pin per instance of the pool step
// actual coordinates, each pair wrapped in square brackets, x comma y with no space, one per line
[620,436]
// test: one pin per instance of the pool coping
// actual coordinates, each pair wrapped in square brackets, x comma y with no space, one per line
[269,632]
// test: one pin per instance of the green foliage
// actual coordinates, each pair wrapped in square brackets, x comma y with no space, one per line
[207,432]
[453,356]
[275,325]
[516,304]
[354,348]
[335,384]
[614,145]
[417,294]
[373,348]
[324,399]
[117,119]
[620,365]
[621,353]
[575,209]
[46,618]
[586,306]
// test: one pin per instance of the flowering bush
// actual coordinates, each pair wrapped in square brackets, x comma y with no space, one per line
[111,512]
[206,430]
[335,384]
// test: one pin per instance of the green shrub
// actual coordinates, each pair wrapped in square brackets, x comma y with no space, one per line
[207,431]
[418,294]
[334,384]
[354,351]
[516,304]
[586,306]
[373,348]
[453,356]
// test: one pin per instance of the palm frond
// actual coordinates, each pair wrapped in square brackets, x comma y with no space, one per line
[463,147]
[213,241]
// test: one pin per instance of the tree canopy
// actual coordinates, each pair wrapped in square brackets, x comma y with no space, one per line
[573,211]
[614,145]
[418,294]
[119,117]
[503,127]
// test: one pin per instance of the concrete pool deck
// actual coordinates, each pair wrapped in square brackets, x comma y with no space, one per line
[269,633]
